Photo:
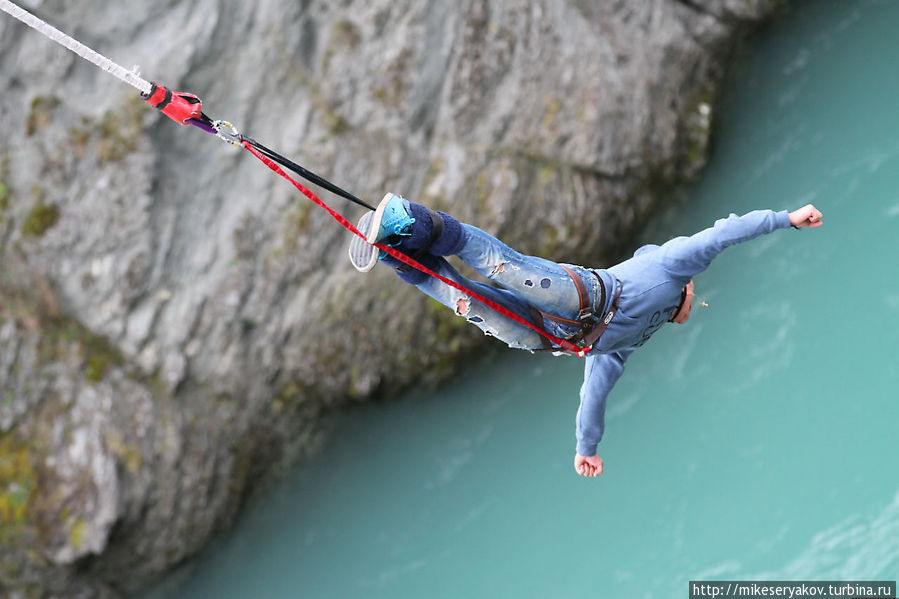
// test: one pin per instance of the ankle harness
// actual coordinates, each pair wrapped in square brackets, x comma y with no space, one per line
[436,232]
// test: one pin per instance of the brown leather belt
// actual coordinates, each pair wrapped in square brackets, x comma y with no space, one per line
[590,326]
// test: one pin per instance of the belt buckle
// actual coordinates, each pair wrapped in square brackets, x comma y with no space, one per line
[586,315]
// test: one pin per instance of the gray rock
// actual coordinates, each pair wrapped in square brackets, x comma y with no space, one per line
[175,319]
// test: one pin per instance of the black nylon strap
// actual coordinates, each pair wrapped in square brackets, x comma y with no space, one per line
[602,290]
[436,229]
[308,175]
[166,100]
[680,304]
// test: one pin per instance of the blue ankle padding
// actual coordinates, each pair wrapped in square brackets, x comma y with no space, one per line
[450,241]
[421,229]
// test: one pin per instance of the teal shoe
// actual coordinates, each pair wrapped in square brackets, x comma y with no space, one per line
[392,220]
[389,223]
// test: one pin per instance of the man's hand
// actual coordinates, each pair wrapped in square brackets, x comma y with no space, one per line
[588,466]
[807,216]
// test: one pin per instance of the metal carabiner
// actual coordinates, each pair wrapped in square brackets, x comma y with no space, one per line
[227,132]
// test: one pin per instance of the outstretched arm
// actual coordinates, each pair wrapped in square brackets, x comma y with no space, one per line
[688,256]
[601,372]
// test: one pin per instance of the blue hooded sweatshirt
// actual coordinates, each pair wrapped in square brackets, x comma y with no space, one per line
[651,284]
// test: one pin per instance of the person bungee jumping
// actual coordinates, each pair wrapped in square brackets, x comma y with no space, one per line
[603,314]
[612,311]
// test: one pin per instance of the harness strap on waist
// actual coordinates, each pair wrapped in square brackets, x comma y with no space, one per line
[585,311]
[593,335]
[587,335]
[583,297]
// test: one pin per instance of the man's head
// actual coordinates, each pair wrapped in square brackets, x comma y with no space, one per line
[682,313]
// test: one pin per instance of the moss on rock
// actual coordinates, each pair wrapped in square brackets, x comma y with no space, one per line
[40,114]
[98,353]
[76,532]
[346,33]
[42,217]
[18,482]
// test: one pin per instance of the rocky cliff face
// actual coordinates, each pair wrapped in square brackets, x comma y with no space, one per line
[174,318]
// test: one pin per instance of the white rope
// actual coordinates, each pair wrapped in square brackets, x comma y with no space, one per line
[77,47]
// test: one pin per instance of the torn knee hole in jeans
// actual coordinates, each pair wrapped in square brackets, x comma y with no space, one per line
[463,308]
[463,305]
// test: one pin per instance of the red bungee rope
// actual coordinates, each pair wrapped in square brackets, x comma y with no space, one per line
[186,109]
[563,344]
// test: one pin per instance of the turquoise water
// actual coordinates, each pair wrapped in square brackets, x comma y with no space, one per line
[759,441]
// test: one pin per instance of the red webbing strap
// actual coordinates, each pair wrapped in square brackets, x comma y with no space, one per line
[561,343]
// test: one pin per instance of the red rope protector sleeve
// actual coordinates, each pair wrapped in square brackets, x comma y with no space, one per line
[178,106]
[561,343]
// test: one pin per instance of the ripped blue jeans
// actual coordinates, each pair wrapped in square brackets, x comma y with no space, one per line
[523,281]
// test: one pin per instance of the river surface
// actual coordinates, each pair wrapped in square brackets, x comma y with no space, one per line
[759,441]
